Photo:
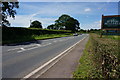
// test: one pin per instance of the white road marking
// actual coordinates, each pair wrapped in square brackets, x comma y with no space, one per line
[47,44]
[22,48]
[13,49]
[33,47]
[55,41]
[39,68]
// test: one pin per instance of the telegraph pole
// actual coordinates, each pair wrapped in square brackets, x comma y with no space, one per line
[30,21]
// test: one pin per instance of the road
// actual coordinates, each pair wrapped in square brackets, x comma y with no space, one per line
[21,59]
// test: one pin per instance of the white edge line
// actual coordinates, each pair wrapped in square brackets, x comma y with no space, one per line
[52,64]
[39,68]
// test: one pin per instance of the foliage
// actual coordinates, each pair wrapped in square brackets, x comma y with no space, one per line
[65,22]
[103,55]
[51,26]
[36,24]
[106,52]
[18,34]
[8,8]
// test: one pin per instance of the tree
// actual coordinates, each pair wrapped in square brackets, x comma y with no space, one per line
[60,23]
[67,22]
[36,24]
[8,9]
[72,24]
[51,26]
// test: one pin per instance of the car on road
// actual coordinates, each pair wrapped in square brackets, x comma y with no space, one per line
[75,34]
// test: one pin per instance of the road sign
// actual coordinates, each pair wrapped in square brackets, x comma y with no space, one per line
[111,25]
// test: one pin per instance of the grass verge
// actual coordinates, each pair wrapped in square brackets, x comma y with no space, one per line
[18,39]
[86,68]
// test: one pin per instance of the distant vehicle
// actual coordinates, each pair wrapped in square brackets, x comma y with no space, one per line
[75,34]
[80,34]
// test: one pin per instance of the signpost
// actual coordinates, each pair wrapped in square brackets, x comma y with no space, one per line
[110,25]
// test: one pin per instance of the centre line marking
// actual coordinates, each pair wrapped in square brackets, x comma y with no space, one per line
[33,47]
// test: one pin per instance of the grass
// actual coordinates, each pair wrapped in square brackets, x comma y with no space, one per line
[47,36]
[19,39]
[111,37]
[86,68]
[85,64]
[91,63]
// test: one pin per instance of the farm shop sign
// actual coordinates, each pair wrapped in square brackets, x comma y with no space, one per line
[111,22]
[110,25]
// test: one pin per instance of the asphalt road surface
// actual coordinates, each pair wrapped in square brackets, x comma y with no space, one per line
[18,60]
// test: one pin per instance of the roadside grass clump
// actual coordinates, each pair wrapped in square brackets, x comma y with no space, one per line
[101,59]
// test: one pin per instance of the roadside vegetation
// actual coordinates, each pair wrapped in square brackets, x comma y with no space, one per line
[16,35]
[101,59]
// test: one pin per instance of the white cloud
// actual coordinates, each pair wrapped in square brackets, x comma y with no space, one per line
[87,9]
[24,20]
[93,25]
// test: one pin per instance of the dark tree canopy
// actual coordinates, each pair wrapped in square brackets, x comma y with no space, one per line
[8,9]
[51,26]
[65,22]
[36,24]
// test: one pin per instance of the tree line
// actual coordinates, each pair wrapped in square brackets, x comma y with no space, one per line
[64,22]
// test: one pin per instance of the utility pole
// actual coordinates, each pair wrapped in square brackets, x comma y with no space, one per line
[30,21]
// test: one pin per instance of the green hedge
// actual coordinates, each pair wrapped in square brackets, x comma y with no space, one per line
[18,33]
[101,59]
[106,56]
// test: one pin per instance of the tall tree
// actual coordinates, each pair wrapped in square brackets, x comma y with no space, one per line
[36,24]
[8,9]
[67,22]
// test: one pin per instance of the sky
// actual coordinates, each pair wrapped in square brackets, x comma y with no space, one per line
[87,13]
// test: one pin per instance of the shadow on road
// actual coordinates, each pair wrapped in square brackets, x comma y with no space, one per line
[25,43]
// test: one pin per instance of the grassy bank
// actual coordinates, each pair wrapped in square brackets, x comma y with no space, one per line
[101,59]
[19,34]
[35,37]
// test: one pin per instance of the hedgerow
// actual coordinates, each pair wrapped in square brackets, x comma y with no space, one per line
[25,34]
[100,60]
[106,56]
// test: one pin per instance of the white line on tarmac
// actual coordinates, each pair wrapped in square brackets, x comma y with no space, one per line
[55,41]
[33,47]
[39,68]
[13,49]
[21,47]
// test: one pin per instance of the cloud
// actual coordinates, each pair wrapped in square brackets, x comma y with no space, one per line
[87,10]
[24,20]
[88,14]
[93,25]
